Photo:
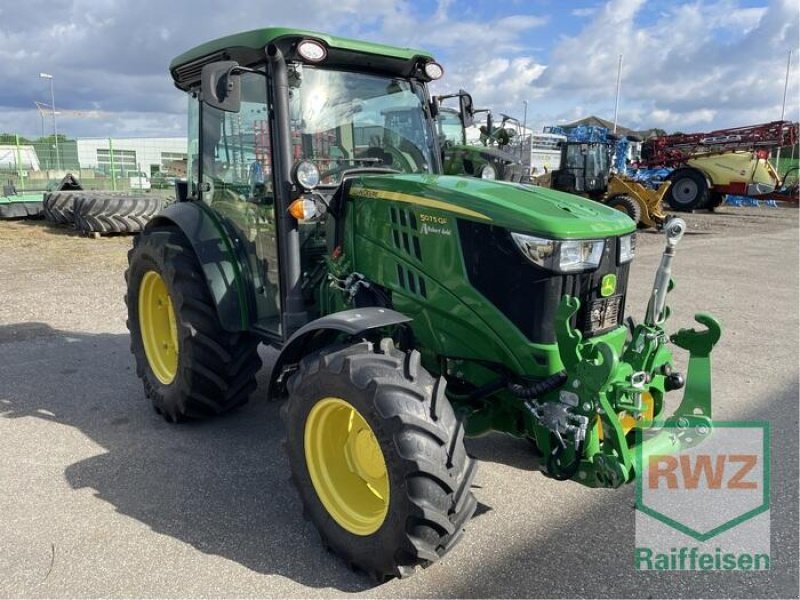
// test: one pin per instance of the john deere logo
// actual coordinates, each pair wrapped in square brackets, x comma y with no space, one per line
[608,285]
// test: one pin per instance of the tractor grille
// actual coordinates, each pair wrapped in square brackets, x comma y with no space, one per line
[404,232]
[528,295]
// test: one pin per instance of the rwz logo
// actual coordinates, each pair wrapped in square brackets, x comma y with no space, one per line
[710,488]
[689,471]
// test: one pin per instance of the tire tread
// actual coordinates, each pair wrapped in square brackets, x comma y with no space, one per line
[218,373]
[428,442]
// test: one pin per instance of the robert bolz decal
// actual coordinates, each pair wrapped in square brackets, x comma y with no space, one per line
[434,225]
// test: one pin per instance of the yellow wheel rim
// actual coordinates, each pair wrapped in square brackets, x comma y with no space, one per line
[158,327]
[346,466]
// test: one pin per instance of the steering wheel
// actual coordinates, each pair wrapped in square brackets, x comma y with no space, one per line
[347,171]
[346,168]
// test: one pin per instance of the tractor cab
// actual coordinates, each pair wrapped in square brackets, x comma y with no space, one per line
[585,168]
[450,128]
[286,129]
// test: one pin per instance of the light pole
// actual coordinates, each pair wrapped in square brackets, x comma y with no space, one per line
[41,114]
[783,113]
[525,125]
[53,105]
[616,99]
[525,116]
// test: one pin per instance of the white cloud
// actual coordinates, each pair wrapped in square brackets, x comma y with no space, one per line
[667,119]
[698,64]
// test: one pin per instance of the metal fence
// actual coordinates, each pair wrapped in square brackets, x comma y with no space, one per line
[116,163]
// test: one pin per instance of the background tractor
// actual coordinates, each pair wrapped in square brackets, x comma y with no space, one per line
[459,157]
[586,169]
[410,308]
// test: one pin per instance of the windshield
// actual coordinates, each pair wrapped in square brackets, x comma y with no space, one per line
[450,126]
[342,120]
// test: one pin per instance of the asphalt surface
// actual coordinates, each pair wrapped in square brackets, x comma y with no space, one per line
[100,497]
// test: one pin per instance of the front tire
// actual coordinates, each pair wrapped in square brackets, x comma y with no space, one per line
[190,366]
[378,458]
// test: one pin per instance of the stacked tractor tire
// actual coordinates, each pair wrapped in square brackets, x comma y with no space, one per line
[100,213]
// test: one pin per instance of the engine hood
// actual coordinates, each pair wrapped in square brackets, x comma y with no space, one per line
[520,208]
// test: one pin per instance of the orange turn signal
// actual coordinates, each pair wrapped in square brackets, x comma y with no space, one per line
[303,210]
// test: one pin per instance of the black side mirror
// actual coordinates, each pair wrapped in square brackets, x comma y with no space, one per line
[181,190]
[220,86]
[466,108]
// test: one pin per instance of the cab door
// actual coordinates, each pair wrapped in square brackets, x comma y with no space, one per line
[237,185]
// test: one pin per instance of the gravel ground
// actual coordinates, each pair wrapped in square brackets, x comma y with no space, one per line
[100,497]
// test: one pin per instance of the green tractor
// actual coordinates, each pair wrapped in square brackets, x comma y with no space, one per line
[460,158]
[410,308]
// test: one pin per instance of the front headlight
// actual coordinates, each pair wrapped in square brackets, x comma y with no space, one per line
[627,248]
[561,256]
[488,172]
[580,255]
[306,174]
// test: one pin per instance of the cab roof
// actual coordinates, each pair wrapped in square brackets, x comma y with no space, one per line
[248,49]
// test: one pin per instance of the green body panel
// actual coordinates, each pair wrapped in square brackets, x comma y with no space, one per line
[259,38]
[452,318]
[524,209]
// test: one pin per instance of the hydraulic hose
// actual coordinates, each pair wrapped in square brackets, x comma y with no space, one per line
[538,389]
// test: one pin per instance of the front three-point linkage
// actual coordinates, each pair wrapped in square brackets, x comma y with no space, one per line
[596,419]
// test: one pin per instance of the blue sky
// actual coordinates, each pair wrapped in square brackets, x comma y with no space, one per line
[690,66]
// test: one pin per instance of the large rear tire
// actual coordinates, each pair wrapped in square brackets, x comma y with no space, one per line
[189,365]
[59,207]
[106,214]
[689,190]
[378,458]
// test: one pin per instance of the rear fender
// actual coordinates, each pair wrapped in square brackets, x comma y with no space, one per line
[224,272]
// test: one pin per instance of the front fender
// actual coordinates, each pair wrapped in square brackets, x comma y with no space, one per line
[323,331]
[225,273]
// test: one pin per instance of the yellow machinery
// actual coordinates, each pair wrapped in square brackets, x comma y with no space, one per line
[707,166]
[642,204]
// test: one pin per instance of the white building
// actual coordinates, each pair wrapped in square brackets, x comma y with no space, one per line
[130,155]
[18,158]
